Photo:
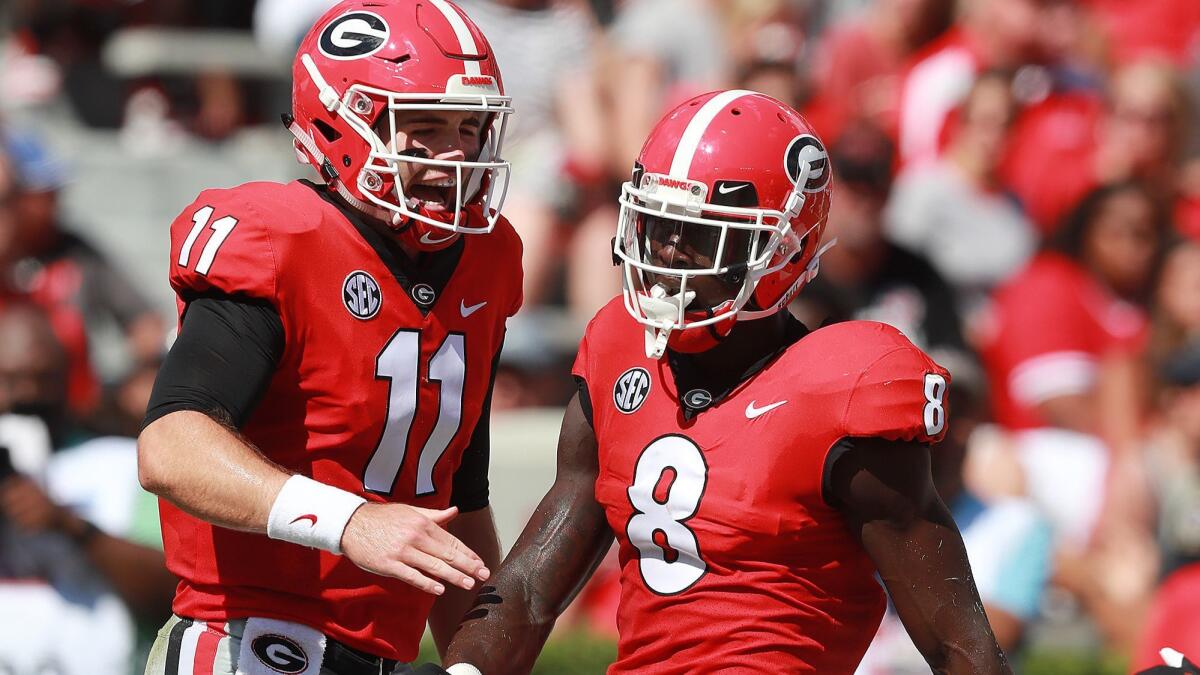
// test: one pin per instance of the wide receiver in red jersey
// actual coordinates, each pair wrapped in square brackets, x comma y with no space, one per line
[756,475]
[319,432]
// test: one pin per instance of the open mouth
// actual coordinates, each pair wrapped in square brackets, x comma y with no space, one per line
[434,195]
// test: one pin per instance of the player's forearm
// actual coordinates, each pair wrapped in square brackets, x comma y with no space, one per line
[476,529]
[929,578]
[555,555]
[208,471]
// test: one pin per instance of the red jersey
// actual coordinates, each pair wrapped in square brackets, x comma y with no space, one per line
[378,391]
[731,560]
[1046,331]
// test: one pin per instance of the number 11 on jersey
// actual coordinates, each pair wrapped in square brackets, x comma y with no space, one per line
[399,363]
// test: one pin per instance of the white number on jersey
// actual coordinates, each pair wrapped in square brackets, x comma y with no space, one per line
[221,229]
[669,553]
[935,410]
[399,363]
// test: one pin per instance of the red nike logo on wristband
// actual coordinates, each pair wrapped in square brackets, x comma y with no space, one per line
[307,516]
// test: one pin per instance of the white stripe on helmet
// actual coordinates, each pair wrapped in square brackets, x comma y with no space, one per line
[466,41]
[690,140]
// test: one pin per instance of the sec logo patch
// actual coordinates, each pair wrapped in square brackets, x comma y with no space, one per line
[631,390]
[361,295]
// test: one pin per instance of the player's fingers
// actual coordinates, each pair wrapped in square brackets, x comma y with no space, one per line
[440,516]
[436,567]
[413,577]
[445,546]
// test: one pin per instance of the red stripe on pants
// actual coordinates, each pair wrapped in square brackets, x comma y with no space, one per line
[206,651]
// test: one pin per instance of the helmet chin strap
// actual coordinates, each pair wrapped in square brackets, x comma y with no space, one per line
[814,265]
[659,305]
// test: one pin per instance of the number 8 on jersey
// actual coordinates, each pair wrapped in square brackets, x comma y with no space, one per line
[668,550]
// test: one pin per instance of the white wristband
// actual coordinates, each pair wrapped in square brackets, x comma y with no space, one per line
[463,669]
[312,514]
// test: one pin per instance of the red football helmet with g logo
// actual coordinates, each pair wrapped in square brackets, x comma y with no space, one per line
[360,64]
[745,182]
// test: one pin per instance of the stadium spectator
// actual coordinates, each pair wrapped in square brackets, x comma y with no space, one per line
[859,65]
[79,544]
[954,210]
[775,67]
[1063,333]
[1174,453]
[1061,151]
[664,52]
[1149,28]
[65,273]
[8,224]
[1176,319]
[866,277]
[989,35]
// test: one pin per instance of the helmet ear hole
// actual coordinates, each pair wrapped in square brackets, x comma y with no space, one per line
[327,131]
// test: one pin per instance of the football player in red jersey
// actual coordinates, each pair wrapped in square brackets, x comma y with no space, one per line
[756,475]
[319,432]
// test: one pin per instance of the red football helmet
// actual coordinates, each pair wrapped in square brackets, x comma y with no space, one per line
[746,180]
[361,63]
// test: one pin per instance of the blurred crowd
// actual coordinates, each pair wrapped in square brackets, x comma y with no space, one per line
[1017,189]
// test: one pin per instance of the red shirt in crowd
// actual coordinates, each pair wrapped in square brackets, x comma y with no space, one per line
[1141,28]
[1045,334]
[857,77]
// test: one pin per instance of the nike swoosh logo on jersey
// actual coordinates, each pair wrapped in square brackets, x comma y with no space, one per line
[726,189]
[752,412]
[308,516]
[468,311]
[430,241]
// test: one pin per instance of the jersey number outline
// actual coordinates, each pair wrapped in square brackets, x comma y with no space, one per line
[675,565]
[221,229]
[935,408]
[399,363]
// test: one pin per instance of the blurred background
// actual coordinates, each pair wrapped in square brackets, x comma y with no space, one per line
[1018,190]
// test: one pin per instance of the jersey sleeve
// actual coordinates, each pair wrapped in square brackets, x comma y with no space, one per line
[221,244]
[901,396]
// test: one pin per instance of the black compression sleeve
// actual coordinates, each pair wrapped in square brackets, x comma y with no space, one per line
[585,400]
[470,489]
[222,361]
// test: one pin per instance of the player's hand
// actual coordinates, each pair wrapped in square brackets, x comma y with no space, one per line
[410,544]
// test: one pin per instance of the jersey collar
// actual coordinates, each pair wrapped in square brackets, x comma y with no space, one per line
[433,269]
[689,377]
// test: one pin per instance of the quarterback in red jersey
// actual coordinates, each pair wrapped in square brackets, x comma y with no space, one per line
[754,474]
[319,432]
